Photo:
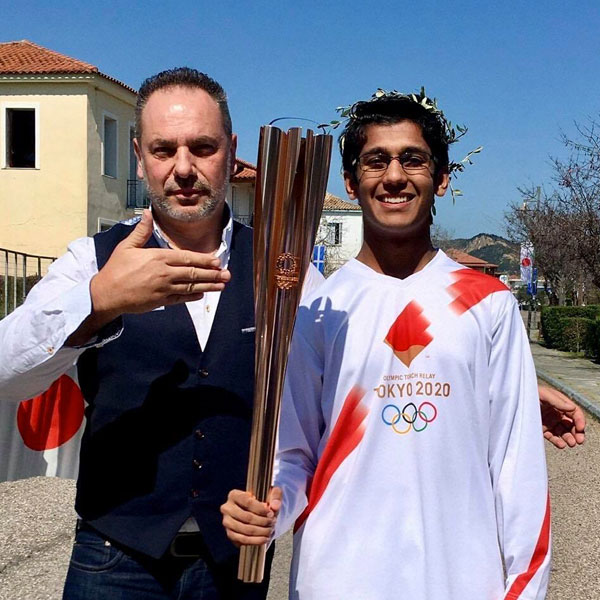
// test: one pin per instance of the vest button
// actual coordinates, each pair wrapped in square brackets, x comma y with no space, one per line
[203,372]
[197,464]
[199,435]
[194,493]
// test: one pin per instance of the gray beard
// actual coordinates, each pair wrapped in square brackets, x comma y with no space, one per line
[205,209]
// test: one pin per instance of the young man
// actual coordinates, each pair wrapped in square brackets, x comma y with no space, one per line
[410,456]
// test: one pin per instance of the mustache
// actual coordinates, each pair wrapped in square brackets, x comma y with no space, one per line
[197,186]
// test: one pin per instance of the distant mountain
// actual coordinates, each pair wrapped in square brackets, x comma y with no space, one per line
[492,248]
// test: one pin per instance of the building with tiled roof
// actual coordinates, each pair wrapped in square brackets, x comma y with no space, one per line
[333,203]
[65,149]
[241,190]
[244,172]
[340,231]
[472,262]
[67,167]
[26,58]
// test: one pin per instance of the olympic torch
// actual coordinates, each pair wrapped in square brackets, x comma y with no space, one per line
[290,187]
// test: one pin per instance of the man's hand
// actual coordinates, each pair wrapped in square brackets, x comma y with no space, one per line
[563,422]
[247,521]
[137,279]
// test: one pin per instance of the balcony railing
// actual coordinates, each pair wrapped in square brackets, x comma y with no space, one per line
[19,272]
[137,197]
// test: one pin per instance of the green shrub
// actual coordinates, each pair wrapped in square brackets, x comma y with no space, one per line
[552,329]
[576,334]
[593,342]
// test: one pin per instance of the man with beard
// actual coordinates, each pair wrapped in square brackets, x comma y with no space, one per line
[159,316]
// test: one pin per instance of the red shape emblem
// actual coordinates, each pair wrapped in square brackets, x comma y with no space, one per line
[52,418]
[408,336]
[471,287]
[526,262]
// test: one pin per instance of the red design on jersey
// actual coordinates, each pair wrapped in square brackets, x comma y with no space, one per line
[345,436]
[52,418]
[471,287]
[537,560]
[408,336]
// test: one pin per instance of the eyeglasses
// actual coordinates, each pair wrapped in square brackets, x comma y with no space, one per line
[412,160]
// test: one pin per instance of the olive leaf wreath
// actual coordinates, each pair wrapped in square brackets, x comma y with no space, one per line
[452,133]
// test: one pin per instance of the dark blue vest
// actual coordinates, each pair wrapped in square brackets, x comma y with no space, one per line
[168,426]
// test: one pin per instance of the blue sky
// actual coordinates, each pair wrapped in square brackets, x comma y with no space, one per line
[516,73]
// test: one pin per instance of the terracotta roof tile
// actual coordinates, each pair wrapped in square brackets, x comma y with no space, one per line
[25,57]
[467,259]
[334,203]
[245,172]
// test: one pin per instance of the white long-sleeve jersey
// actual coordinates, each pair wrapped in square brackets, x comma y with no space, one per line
[410,450]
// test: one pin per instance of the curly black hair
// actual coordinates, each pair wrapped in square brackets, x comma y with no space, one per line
[387,111]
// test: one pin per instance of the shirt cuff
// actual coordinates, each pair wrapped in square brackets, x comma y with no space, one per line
[111,331]
[78,307]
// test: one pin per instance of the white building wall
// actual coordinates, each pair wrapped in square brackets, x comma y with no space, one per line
[350,222]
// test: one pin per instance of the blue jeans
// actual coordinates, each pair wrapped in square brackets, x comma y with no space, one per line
[99,570]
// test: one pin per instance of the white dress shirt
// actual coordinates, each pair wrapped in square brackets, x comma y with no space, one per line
[32,338]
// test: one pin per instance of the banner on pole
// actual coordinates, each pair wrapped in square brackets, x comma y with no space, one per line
[527,263]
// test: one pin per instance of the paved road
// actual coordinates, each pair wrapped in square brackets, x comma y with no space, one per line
[36,523]
[578,377]
[575,494]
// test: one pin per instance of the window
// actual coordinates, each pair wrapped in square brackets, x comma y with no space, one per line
[334,234]
[109,152]
[21,147]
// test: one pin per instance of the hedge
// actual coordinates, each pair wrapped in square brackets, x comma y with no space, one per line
[577,335]
[594,342]
[551,320]
[572,328]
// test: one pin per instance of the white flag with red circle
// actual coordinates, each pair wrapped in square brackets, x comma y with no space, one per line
[42,435]
[526,262]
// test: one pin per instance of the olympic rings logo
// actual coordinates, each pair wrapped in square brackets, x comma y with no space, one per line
[402,421]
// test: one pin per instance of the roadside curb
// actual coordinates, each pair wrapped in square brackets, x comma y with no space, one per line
[569,391]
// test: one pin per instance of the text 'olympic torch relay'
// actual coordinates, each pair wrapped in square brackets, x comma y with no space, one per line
[291,185]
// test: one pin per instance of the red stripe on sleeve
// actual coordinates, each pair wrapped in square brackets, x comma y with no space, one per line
[345,436]
[539,555]
[470,287]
